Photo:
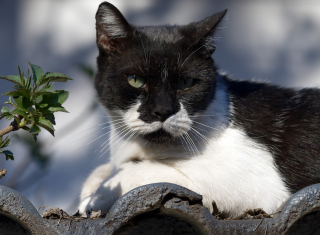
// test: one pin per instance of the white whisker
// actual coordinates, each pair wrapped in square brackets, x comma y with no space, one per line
[183,143]
[187,143]
[126,141]
[206,125]
[114,123]
[203,137]
[107,142]
[194,145]
[95,139]
[108,116]
[66,141]
[92,140]
[190,144]
[110,145]
[214,115]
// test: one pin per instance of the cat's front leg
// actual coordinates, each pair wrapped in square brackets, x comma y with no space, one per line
[93,182]
[129,176]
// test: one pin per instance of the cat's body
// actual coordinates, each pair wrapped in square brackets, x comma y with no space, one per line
[175,119]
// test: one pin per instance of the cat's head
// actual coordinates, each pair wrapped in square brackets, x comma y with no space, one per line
[155,77]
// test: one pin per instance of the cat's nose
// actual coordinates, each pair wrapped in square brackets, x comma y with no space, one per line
[162,114]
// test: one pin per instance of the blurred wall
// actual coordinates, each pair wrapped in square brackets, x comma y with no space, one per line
[275,41]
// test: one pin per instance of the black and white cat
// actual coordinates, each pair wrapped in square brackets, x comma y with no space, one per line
[176,119]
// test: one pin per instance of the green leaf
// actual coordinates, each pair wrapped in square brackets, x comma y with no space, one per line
[28,84]
[54,77]
[46,90]
[9,117]
[50,117]
[25,92]
[38,99]
[25,82]
[31,110]
[35,137]
[46,124]
[22,79]
[57,109]
[26,128]
[19,92]
[23,103]
[5,143]
[19,112]
[34,129]
[9,154]
[13,93]
[17,87]
[16,119]
[12,78]
[37,73]
[2,115]
[35,101]
[5,109]
[63,96]
[54,100]
[10,101]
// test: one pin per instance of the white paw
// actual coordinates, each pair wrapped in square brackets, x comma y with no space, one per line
[84,205]
[102,199]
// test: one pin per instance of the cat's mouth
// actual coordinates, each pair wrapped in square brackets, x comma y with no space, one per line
[160,136]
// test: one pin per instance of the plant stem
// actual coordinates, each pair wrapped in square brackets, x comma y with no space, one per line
[14,105]
[2,172]
[13,127]
[6,130]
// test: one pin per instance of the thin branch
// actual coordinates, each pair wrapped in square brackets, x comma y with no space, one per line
[13,127]
[6,130]
[2,173]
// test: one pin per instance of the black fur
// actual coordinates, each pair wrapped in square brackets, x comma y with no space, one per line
[286,121]
[161,56]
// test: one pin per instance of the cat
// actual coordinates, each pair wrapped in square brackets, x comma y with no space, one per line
[175,118]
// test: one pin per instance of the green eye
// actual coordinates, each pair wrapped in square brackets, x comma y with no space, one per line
[136,81]
[185,84]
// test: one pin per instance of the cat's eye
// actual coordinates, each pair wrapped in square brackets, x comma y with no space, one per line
[136,81]
[185,84]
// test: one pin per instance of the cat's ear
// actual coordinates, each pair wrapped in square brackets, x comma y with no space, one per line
[111,27]
[202,32]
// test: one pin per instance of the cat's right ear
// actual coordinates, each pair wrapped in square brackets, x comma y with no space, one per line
[202,32]
[111,27]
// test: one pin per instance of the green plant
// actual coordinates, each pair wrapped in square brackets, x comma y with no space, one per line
[34,104]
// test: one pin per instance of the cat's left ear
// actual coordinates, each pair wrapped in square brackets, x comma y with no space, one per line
[202,32]
[111,27]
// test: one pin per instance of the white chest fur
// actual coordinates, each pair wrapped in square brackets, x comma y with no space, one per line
[216,160]
[237,173]
[232,170]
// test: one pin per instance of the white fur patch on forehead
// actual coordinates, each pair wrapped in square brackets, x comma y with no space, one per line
[179,123]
